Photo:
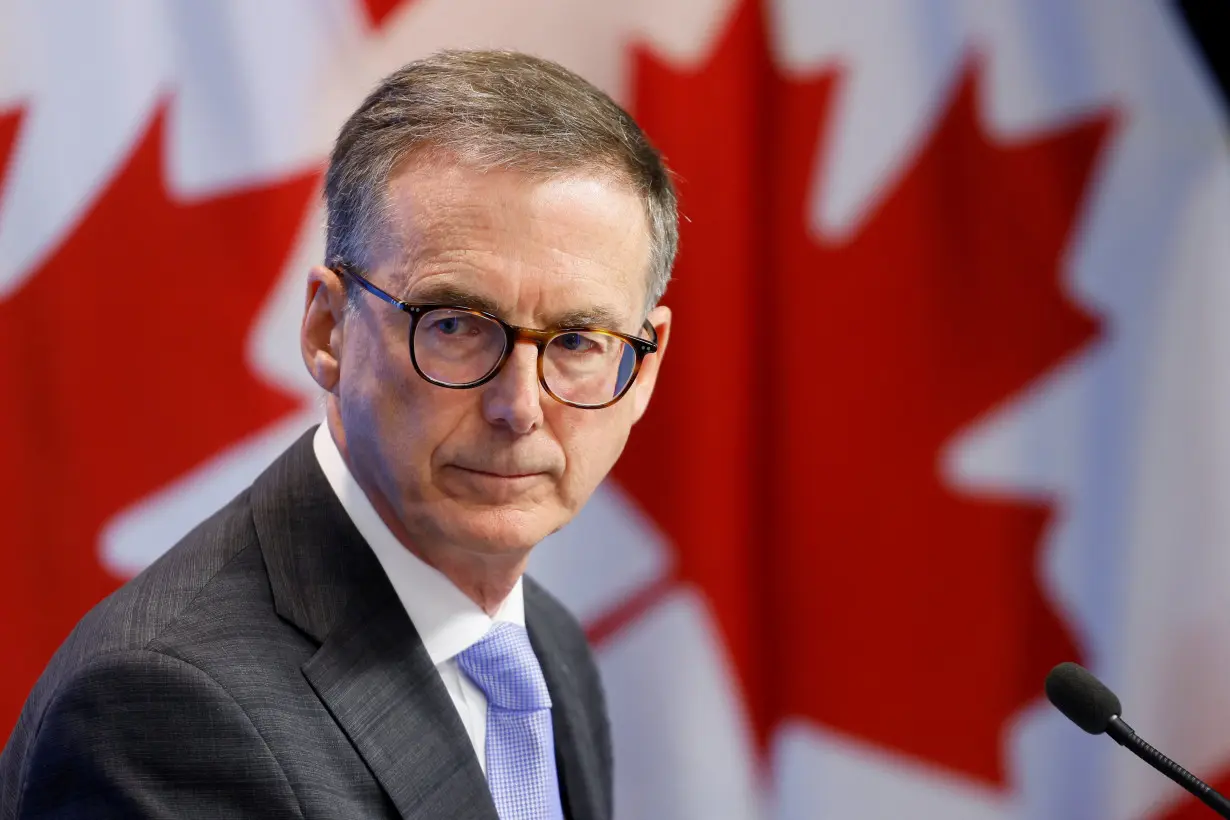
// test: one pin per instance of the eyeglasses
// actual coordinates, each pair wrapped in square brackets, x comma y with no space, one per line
[460,347]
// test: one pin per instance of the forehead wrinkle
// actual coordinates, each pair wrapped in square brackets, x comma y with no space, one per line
[460,242]
[432,227]
[455,272]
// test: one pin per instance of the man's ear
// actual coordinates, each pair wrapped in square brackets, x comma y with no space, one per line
[660,318]
[320,335]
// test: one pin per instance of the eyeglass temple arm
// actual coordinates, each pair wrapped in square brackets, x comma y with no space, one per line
[653,332]
[343,270]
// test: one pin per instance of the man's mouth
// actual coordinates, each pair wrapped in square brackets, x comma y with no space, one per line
[504,474]
[494,474]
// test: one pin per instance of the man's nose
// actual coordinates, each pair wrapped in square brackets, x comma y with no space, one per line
[514,398]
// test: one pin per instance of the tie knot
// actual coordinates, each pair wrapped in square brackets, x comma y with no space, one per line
[504,666]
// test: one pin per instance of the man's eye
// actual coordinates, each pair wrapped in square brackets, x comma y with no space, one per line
[580,342]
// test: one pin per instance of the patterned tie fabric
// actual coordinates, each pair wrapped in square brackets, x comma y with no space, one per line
[520,746]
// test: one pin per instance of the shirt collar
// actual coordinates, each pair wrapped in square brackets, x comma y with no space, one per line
[447,621]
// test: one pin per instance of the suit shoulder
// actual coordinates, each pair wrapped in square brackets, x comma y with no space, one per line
[214,574]
[149,723]
[217,550]
[221,552]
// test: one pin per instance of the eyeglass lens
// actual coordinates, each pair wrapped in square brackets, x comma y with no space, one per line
[457,348]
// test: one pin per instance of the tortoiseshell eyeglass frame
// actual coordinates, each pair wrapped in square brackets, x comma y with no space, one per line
[512,333]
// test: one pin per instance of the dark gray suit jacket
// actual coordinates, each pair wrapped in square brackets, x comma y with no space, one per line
[265,667]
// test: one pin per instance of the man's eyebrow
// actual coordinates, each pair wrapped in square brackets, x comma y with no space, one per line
[600,317]
[447,293]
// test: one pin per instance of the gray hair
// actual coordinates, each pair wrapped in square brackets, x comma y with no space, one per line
[491,110]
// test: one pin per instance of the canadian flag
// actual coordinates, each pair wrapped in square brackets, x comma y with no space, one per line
[948,399]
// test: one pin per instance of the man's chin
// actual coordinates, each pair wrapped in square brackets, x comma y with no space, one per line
[503,531]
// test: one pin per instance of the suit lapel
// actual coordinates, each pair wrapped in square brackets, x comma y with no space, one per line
[378,682]
[575,744]
[371,672]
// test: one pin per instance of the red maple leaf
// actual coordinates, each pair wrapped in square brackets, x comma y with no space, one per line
[947,304]
[813,386]
[692,463]
[124,368]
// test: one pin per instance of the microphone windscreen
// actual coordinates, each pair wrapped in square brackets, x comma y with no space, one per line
[1084,699]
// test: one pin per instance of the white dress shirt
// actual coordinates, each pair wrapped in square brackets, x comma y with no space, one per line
[446,619]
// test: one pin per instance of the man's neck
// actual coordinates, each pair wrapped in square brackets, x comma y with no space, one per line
[482,583]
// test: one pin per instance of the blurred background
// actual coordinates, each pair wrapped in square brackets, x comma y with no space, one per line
[947,400]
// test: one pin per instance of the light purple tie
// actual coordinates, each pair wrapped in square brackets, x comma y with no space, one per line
[520,746]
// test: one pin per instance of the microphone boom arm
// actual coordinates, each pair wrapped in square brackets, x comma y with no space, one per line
[1127,738]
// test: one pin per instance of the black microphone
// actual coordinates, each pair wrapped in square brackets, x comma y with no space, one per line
[1086,701]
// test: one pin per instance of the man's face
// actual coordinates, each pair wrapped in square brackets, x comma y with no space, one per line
[496,468]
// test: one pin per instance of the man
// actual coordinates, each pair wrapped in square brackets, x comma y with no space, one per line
[348,637]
